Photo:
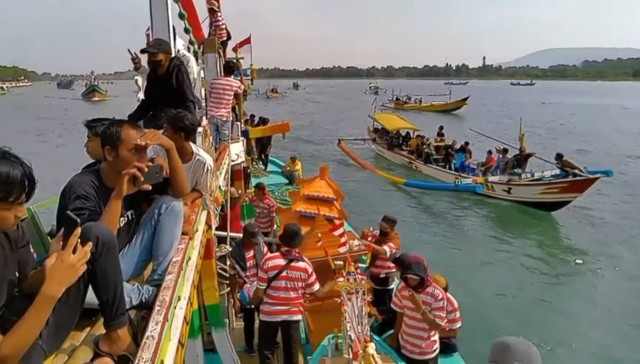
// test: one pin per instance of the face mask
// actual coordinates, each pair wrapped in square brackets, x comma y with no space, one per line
[384,233]
[154,64]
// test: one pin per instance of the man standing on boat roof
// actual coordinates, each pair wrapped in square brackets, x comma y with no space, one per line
[382,272]
[168,86]
[108,194]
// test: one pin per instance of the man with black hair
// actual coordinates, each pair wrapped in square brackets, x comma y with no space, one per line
[92,145]
[223,91]
[107,194]
[168,86]
[39,306]
[287,275]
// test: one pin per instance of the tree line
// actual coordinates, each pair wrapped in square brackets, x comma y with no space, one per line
[606,70]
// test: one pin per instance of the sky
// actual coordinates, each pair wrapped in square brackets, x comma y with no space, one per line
[77,36]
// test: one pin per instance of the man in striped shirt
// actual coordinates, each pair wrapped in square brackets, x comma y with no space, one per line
[283,280]
[222,93]
[382,272]
[265,208]
[421,307]
[449,332]
[246,257]
[218,27]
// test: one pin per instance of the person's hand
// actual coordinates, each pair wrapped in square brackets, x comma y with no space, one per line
[392,340]
[126,184]
[63,268]
[56,244]
[164,163]
[136,61]
[154,137]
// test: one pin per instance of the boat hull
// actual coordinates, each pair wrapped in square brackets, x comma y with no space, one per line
[94,93]
[449,106]
[547,196]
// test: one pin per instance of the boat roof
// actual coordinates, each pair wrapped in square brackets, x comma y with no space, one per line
[393,121]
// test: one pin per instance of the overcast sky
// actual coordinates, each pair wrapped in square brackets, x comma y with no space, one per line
[73,36]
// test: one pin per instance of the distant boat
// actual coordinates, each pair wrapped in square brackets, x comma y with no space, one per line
[456,83]
[65,84]
[530,83]
[94,92]
[3,90]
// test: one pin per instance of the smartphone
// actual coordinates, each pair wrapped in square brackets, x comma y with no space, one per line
[153,175]
[71,223]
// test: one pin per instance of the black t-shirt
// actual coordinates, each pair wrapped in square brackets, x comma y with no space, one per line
[91,165]
[17,260]
[86,196]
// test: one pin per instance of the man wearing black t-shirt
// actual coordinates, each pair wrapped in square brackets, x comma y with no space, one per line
[107,194]
[39,306]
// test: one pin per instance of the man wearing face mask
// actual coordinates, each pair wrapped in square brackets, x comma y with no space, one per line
[168,86]
[382,272]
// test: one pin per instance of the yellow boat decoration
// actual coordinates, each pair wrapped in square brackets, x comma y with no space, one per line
[436,106]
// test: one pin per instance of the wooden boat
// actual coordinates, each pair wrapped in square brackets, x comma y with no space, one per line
[548,190]
[93,92]
[518,83]
[65,84]
[436,106]
[374,89]
[456,83]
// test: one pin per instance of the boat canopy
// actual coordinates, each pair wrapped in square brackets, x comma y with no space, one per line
[393,122]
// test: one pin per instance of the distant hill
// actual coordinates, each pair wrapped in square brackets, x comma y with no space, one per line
[570,56]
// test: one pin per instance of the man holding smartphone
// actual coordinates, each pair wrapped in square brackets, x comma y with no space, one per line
[108,194]
[39,306]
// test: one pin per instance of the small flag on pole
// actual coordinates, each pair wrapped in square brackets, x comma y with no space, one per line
[147,34]
[338,229]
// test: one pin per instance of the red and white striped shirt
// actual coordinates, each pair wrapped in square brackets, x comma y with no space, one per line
[383,264]
[265,213]
[454,319]
[284,298]
[221,91]
[417,340]
[218,27]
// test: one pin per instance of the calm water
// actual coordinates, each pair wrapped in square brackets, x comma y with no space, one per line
[510,267]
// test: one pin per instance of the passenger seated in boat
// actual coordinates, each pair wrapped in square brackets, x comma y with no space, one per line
[406,138]
[292,170]
[568,166]
[440,138]
[419,101]
[518,163]
[283,280]
[466,149]
[181,128]
[414,145]
[39,306]
[485,168]
[92,144]
[449,332]
[511,349]
[398,99]
[246,257]
[465,166]
[428,153]
[421,308]
[449,155]
[381,270]
[503,160]
[107,194]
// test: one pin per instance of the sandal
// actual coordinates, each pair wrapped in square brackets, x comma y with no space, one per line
[123,358]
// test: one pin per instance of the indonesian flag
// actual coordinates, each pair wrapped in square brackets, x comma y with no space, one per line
[245,42]
[338,229]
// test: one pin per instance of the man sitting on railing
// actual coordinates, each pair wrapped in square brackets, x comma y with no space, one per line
[181,127]
[108,194]
[40,306]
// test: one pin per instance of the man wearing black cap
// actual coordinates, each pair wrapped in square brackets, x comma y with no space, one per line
[246,257]
[287,275]
[382,271]
[92,145]
[168,86]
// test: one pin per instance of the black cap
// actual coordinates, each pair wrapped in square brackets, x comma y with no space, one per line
[157,45]
[251,232]
[291,236]
[390,220]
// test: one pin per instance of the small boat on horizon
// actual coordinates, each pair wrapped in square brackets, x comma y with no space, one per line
[434,106]
[518,83]
[65,84]
[456,83]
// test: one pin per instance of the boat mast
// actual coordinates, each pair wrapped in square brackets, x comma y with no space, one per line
[161,21]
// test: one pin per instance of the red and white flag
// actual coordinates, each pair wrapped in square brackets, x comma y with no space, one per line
[338,229]
[245,42]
